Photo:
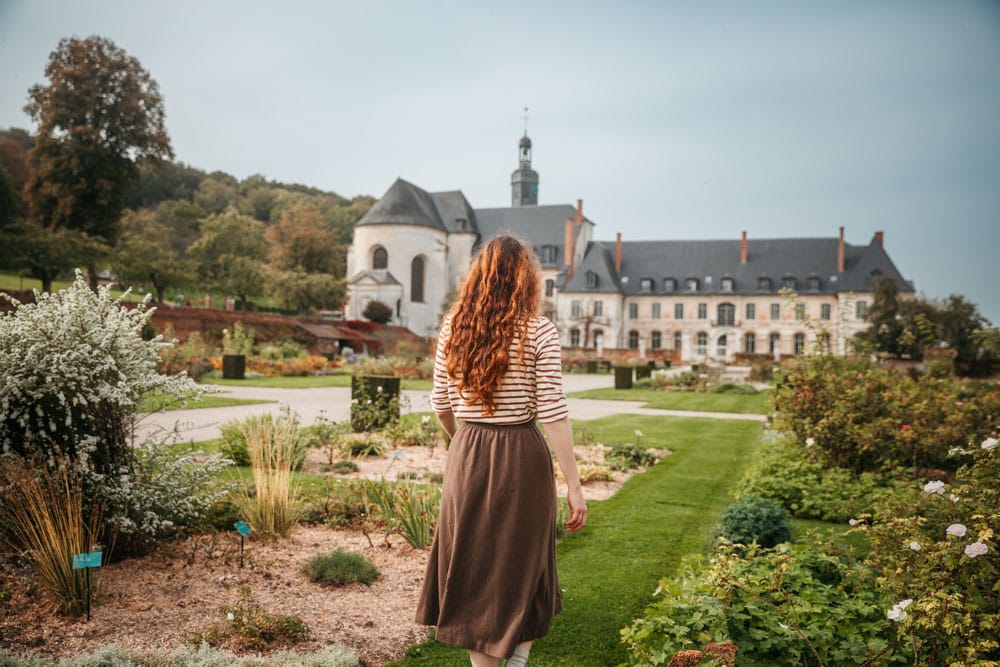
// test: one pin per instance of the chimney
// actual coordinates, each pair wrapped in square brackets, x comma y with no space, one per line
[743,249]
[579,212]
[879,237]
[618,253]
[569,242]
[840,252]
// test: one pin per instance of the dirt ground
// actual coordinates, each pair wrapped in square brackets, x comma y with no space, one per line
[159,601]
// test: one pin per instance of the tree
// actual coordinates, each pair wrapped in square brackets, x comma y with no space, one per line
[230,254]
[145,255]
[44,253]
[99,115]
[376,311]
[307,291]
[300,242]
[8,198]
[885,333]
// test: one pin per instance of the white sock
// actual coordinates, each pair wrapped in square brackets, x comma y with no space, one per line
[520,657]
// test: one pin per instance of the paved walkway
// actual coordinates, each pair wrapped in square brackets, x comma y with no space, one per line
[335,402]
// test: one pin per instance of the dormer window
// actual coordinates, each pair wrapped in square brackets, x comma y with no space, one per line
[727,284]
[691,285]
[548,254]
[669,284]
[645,285]
[814,283]
[788,282]
[591,279]
[764,284]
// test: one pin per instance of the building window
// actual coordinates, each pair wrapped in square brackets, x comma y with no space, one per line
[691,284]
[633,339]
[678,311]
[720,347]
[776,311]
[726,314]
[380,258]
[814,283]
[598,338]
[598,309]
[550,287]
[727,284]
[788,282]
[751,311]
[701,348]
[800,343]
[824,311]
[861,309]
[678,340]
[800,311]
[774,341]
[764,284]
[574,308]
[669,284]
[574,338]
[750,344]
[702,311]
[633,311]
[645,284]
[548,254]
[656,311]
[591,279]
[655,340]
[417,279]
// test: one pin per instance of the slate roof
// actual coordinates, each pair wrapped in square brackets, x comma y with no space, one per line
[710,261]
[380,276]
[404,204]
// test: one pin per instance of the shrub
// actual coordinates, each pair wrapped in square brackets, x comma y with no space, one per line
[250,627]
[327,435]
[730,388]
[75,371]
[345,467]
[340,568]
[407,433]
[629,456]
[341,503]
[234,438]
[376,311]
[273,446]
[238,340]
[594,472]
[757,520]
[362,445]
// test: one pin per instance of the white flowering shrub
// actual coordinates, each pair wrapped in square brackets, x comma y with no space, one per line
[75,370]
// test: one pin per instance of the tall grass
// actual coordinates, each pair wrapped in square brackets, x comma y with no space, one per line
[273,449]
[405,509]
[42,516]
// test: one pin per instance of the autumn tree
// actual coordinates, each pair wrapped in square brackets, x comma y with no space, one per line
[230,254]
[99,116]
[145,254]
[301,242]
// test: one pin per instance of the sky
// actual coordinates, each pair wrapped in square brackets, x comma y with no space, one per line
[670,120]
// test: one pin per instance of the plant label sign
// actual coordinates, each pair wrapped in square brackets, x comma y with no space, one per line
[242,527]
[87,560]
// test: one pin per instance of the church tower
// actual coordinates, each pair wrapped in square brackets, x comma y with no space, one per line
[524,181]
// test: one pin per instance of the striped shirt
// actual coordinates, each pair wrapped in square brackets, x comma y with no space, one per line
[528,391]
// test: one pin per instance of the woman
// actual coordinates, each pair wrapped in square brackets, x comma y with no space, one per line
[491,584]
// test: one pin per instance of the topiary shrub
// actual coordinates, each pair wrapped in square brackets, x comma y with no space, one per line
[340,568]
[755,519]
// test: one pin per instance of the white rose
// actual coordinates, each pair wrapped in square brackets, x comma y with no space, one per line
[936,486]
[956,530]
[976,549]
[989,444]
[915,546]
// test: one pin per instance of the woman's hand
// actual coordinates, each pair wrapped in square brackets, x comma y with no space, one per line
[577,509]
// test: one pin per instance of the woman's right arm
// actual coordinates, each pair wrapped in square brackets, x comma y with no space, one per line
[560,437]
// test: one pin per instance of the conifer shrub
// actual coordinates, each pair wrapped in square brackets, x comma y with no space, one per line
[339,568]
[755,519]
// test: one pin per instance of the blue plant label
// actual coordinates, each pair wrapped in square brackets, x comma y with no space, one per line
[242,527]
[83,561]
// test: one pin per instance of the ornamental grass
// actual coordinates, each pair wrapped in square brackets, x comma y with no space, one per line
[273,449]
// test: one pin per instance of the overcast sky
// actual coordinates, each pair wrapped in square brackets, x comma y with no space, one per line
[670,120]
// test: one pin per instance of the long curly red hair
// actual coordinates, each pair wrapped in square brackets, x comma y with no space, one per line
[497,299]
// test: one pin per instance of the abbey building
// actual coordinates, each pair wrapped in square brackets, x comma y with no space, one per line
[686,301]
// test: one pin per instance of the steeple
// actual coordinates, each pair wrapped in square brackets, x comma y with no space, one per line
[524,181]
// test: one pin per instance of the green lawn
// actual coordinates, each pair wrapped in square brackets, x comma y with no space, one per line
[11,281]
[611,568]
[685,400]
[306,382]
[154,404]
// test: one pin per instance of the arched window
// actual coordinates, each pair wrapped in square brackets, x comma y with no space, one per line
[574,338]
[380,258]
[417,279]
[633,339]
[726,315]
[720,346]
[702,344]
[655,340]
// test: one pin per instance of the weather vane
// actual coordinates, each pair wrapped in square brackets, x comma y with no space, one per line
[525,121]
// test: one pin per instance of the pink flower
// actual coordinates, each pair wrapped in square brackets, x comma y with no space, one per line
[854,522]
[906,427]
[976,549]
[956,530]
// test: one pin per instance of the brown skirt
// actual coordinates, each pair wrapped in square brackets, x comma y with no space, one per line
[491,579]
